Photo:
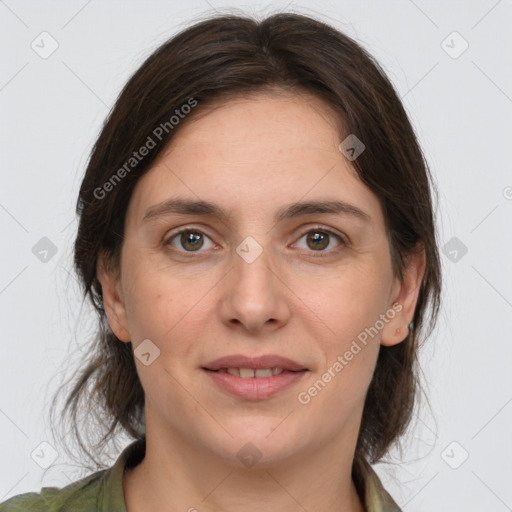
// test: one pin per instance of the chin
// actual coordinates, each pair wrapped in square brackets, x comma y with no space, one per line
[263,441]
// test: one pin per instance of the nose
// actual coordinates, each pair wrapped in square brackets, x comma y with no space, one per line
[254,295]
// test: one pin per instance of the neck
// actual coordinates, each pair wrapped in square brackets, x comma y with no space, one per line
[176,474]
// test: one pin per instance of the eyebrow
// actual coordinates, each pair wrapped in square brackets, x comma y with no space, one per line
[290,211]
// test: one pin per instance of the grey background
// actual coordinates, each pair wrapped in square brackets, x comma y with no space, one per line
[460,103]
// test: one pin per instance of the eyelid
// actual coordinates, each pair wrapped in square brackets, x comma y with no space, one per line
[342,238]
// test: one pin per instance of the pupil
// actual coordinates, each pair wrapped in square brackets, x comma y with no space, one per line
[190,240]
[319,237]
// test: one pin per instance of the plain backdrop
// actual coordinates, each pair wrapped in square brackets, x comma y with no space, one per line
[450,62]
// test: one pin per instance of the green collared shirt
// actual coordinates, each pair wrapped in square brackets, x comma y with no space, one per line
[103,491]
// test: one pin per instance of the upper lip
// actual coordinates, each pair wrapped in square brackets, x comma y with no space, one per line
[266,361]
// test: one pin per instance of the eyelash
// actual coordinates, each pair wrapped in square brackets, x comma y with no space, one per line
[318,229]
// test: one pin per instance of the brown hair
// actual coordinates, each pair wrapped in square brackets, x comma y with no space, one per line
[207,62]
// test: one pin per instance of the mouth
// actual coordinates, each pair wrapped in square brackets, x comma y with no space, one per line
[254,377]
[240,365]
[254,373]
[254,384]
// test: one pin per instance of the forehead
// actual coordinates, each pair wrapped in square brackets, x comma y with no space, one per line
[279,121]
[256,153]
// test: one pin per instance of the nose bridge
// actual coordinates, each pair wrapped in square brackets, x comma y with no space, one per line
[253,265]
[254,294]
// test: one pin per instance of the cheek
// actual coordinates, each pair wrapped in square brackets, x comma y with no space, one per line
[347,309]
[345,303]
[160,308]
[338,396]
[159,303]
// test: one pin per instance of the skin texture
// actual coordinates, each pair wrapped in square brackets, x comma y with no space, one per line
[252,156]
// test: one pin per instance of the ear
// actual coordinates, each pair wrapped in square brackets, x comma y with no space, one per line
[113,301]
[404,298]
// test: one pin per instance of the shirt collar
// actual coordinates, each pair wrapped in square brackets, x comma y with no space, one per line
[112,498]
[368,484]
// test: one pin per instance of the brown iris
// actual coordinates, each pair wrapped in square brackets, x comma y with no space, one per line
[191,240]
[320,240]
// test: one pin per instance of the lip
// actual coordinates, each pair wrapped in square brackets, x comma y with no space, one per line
[257,388]
[265,361]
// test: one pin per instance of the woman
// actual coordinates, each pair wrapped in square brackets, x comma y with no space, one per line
[256,233]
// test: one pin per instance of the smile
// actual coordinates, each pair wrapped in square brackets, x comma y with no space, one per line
[249,373]
[254,384]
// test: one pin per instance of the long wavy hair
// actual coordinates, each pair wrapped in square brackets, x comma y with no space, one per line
[211,61]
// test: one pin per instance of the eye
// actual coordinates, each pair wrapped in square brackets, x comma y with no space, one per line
[318,239]
[189,239]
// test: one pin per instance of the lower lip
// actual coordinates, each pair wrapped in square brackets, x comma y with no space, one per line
[257,388]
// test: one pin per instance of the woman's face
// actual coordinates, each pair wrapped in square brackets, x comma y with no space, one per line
[264,279]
